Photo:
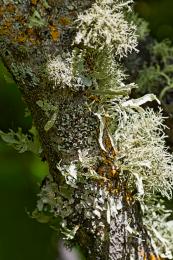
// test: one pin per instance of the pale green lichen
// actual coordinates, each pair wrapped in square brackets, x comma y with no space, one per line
[104,26]
[22,142]
[142,26]
[141,143]
[157,76]
[59,71]
[36,20]
[48,108]
[160,227]
[24,71]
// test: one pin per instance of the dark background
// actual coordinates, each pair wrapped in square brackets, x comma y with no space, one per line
[21,237]
[159,14]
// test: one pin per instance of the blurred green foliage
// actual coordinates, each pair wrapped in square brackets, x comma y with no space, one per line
[159,14]
[21,237]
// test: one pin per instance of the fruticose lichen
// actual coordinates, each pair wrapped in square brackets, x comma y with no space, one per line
[104,26]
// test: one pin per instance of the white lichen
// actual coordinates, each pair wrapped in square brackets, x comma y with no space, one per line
[59,71]
[141,143]
[104,26]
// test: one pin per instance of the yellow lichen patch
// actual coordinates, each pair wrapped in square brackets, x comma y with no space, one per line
[54,32]
[21,38]
[64,21]
[94,98]
[129,198]
[150,257]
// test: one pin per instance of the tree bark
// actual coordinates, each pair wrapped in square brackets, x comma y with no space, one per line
[31,34]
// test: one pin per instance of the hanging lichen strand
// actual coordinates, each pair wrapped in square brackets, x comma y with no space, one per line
[108,162]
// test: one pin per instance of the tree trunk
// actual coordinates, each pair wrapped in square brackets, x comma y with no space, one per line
[32,34]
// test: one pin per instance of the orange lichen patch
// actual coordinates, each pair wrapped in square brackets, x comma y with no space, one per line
[114,153]
[28,35]
[64,21]
[34,2]
[112,171]
[30,31]
[7,24]
[21,39]
[54,32]
[55,35]
[129,198]
[95,98]
[108,169]
[154,257]
[150,257]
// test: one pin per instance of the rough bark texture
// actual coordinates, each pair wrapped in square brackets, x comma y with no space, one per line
[26,48]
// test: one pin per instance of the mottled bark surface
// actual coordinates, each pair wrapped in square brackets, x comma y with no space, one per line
[31,33]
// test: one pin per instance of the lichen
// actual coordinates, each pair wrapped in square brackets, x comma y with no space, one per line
[104,26]
[130,140]
[23,142]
